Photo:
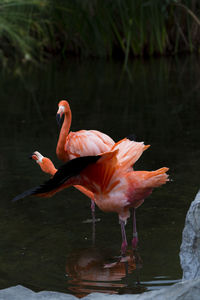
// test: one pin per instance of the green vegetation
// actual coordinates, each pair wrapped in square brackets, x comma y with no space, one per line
[35,30]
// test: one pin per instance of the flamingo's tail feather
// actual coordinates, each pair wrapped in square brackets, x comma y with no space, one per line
[158,177]
[152,179]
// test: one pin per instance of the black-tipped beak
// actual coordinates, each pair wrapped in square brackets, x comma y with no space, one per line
[59,119]
[33,156]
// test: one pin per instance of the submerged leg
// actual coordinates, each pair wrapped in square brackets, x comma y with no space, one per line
[135,235]
[93,209]
[124,240]
[93,221]
[122,257]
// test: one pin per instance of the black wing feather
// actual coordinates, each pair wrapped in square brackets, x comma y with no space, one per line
[25,194]
[65,172]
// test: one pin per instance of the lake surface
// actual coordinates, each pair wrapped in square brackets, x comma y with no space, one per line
[46,244]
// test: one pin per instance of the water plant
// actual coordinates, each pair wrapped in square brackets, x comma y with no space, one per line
[22,29]
[33,30]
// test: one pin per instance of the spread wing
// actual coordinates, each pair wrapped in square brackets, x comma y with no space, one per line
[129,152]
[61,179]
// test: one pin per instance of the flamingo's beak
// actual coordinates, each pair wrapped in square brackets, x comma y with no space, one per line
[60,114]
[59,119]
[33,156]
[37,156]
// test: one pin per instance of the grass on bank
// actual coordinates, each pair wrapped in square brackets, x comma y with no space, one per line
[32,30]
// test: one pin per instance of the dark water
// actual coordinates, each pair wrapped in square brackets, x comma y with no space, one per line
[45,243]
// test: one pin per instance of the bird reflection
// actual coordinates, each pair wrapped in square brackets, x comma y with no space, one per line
[93,270]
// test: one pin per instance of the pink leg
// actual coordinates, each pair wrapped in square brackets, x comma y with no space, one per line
[124,240]
[93,221]
[135,235]
[93,208]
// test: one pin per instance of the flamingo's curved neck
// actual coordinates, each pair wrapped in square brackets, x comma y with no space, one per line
[47,166]
[51,170]
[60,150]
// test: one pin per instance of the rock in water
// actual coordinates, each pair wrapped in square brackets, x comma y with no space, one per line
[21,293]
[190,247]
[185,290]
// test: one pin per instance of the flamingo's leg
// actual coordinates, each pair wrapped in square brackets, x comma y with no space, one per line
[124,239]
[93,209]
[93,221]
[135,235]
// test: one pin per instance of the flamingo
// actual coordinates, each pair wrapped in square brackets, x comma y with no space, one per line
[80,143]
[47,166]
[110,177]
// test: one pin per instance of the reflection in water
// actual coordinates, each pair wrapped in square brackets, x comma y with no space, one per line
[93,270]
[93,221]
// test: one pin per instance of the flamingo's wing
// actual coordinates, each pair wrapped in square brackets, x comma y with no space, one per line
[87,142]
[104,137]
[129,152]
[107,174]
[103,176]
[61,179]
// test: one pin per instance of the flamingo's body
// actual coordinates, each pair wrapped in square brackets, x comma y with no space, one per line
[116,187]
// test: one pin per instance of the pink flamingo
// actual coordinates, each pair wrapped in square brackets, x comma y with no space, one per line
[109,176]
[80,143]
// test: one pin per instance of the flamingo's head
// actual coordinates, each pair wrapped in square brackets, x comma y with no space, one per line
[63,107]
[45,163]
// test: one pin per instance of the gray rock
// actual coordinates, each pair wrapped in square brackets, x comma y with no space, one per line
[185,290]
[21,293]
[190,247]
